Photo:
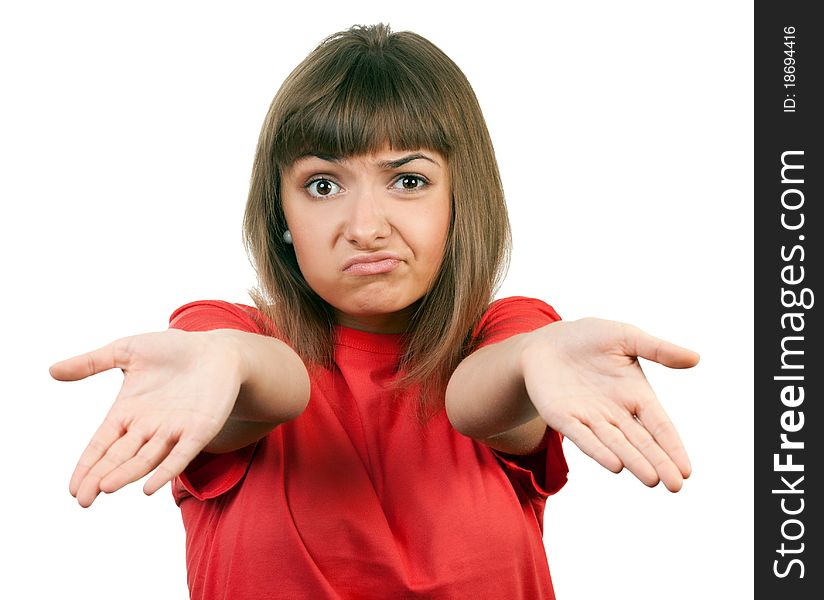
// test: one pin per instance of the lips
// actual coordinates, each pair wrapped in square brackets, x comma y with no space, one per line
[364,262]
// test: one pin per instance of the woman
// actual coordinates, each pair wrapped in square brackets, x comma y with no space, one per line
[376,426]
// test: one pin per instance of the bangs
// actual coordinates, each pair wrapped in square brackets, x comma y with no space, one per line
[348,108]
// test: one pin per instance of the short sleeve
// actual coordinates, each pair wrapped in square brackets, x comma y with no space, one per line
[210,475]
[206,315]
[509,316]
[543,472]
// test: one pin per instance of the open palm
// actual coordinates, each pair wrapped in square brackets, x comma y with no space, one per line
[179,389]
[586,382]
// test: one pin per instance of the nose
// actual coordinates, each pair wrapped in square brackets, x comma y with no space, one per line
[366,220]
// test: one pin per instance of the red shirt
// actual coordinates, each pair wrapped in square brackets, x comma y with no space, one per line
[354,499]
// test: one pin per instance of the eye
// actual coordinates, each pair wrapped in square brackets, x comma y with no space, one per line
[322,188]
[410,183]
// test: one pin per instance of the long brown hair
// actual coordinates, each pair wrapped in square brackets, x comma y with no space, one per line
[358,91]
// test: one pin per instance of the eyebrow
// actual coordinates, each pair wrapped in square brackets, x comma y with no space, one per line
[384,164]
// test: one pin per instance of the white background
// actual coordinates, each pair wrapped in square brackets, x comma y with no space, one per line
[624,136]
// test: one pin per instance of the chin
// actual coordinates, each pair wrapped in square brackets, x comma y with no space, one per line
[374,309]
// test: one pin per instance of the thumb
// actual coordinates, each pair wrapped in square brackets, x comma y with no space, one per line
[640,343]
[85,365]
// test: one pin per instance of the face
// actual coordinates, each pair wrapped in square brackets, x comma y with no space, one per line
[391,208]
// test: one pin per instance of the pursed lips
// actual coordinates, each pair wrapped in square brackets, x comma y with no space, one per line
[370,264]
[360,259]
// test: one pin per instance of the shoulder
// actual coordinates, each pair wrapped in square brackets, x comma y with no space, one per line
[511,315]
[205,315]
[520,305]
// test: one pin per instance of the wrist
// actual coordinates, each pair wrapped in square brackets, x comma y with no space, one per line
[533,344]
[234,351]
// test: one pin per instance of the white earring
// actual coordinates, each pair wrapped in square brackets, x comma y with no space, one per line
[287,236]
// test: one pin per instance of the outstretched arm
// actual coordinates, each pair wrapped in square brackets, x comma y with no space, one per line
[583,379]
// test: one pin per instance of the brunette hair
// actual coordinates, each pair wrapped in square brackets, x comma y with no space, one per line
[356,92]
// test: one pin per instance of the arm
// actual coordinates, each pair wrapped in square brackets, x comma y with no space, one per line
[584,380]
[486,399]
[274,389]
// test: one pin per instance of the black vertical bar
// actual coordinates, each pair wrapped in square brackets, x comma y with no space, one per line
[789,171]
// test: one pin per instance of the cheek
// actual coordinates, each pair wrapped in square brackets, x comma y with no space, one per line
[431,236]
[305,241]
[312,261]
[444,217]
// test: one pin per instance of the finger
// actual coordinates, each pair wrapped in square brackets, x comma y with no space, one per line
[118,453]
[614,439]
[583,437]
[181,455]
[108,432]
[641,439]
[85,365]
[654,418]
[142,463]
[640,343]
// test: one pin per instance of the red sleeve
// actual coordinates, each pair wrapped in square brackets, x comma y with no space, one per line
[543,472]
[205,315]
[210,475]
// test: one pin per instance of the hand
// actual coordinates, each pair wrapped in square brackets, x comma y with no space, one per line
[585,381]
[178,390]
